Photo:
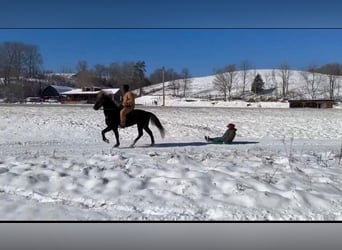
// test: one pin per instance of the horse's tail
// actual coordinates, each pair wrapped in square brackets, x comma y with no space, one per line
[156,122]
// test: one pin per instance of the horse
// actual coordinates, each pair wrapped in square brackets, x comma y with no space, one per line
[140,117]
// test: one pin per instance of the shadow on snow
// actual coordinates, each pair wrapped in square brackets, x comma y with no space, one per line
[184,144]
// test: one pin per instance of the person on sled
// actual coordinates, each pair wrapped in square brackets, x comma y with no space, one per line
[128,104]
[227,137]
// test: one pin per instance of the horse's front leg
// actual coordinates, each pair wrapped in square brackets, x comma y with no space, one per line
[116,132]
[103,134]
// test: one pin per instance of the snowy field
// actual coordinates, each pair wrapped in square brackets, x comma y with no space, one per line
[285,164]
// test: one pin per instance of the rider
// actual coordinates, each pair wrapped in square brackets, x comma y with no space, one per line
[227,137]
[128,104]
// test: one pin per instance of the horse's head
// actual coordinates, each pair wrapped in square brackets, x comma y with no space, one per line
[104,100]
[100,100]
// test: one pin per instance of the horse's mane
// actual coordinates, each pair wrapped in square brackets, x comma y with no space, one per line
[105,95]
[102,94]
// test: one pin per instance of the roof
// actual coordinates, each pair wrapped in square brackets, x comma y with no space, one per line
[61,89]
[82,92]
[313,100]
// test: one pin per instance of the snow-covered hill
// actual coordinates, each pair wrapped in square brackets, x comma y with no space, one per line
[203,87]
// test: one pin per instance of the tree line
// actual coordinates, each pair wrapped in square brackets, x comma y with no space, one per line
[22,75]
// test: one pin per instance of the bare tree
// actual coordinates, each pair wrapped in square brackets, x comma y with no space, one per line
[18,60]
[221,82]
[85,78]
[338,85]
[101,71]
[333,71]
[169,75]
[82,66]
[174,85]
[114,71]
[139,75]
[231,70]
[268,78]
[122,73]
[313,80]
[224,80]
[186,80]
[33,61]
[274,78]
[66,69]
[157,76]
[245,71]
[285,74]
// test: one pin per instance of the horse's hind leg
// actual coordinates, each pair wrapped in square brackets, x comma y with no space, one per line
[103,134]
[140,131]
[115,130]
[148,130]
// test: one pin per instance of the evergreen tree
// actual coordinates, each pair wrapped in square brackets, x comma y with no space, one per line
[257,85]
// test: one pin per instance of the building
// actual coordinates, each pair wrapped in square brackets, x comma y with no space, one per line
[88,95]
[65,94]
[311,103]
[54,92]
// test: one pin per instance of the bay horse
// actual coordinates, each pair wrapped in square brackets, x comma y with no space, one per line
[140,117]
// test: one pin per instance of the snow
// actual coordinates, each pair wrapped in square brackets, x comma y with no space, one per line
[284,164]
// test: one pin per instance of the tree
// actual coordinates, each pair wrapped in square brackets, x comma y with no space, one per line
[32,61]
[19,60]
[139,71]
[274,78]
[139,75]
[338,83]
[186,80]
[221,82]
[258,84]
[82,66]
[333,71]
[84,78]
[268,79]
[224,79]
[66,69]
[245,67]
[313,80]
[285,74]
[100,71]
[175,87]
[169,75]
[174,83]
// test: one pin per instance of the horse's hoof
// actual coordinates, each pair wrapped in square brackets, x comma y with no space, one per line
[116,145]
[131,146]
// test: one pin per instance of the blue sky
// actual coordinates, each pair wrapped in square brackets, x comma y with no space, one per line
[199,35]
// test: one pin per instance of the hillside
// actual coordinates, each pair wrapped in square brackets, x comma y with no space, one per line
[202,87]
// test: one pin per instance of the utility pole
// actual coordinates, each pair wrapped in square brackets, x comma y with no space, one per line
[163,86]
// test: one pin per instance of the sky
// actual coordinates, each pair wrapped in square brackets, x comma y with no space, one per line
[201,36]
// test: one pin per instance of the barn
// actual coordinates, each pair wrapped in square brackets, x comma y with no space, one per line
[54,92]
[88,95]
[311,103]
